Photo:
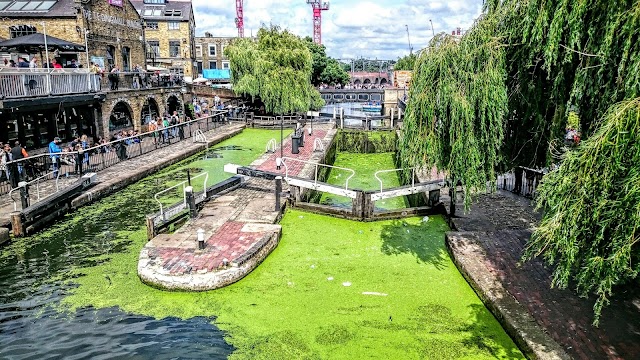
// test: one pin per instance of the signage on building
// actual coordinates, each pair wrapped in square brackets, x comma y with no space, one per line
[117,3]
[402,78]
[99,60]
[112,19]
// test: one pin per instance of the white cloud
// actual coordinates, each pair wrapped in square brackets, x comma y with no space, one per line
[349,28]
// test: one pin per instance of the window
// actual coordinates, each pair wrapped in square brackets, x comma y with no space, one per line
[199,67]
[31,5]
[152,11]
[198,50]
[173,13]
[17,5]
[126,64]
[4,4]
[154,48]
[212,50]
[213,65]
[174,25]
[21,30]
[174,48]
[46,5]
[152,25]
[154,1]
[225,65]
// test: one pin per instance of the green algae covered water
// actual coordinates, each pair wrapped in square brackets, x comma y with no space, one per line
[332,289]
[365,167]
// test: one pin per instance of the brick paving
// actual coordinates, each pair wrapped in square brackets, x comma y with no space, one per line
[501,224]
[239,227]
[294,167]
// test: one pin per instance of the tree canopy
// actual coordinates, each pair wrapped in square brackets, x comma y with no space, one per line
[498,97]
[326,70]
[406,62]
[277,68]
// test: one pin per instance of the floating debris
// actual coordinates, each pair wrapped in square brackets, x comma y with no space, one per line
[374,293]
[313,266]
[425,219]
[346,283]
[330,278]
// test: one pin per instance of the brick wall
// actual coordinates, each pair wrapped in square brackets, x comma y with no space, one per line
[163,35]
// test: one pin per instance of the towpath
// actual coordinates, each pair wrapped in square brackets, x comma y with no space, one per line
[239,227]
[487,247]
[118,176]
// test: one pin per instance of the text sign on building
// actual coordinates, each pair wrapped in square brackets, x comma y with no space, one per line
[115,3]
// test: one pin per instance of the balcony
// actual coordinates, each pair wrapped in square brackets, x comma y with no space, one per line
[18,83]
[23,82]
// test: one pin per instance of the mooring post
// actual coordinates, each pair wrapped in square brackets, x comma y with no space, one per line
[452,201]
[24,194]
[151,228]
[191,201]
[16,224]
[341,118]
[79,158]
[278,192]
[201,243]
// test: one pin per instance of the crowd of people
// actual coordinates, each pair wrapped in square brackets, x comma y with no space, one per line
[367,86]
[14,172]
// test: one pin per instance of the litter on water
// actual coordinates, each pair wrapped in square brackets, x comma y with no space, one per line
[374,293]
[346,283]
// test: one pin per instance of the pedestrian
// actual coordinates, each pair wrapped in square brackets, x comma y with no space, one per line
[17,153]
[174,122]
[114,77]
[54,153]
[153,127]
[5,158]
[180,129]
[165,129]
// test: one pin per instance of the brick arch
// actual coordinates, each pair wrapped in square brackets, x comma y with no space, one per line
[135,118]
[159,104]
[172,95]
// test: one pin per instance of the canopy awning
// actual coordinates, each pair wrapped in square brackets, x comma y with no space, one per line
[34,43]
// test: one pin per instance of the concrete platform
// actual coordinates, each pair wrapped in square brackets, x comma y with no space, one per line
[546,323]
[240,230]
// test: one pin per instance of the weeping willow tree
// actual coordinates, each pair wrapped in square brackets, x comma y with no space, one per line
[276,68]
[457,105]
[591,224]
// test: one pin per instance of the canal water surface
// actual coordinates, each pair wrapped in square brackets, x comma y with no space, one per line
[332,289]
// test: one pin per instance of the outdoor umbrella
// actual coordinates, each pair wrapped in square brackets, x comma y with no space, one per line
[34,43]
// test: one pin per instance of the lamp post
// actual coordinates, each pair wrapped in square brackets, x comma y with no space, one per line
[281,136]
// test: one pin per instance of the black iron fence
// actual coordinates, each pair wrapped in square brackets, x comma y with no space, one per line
[102,156]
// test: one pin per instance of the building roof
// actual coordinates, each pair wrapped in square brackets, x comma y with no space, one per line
[170,10]
[37,8]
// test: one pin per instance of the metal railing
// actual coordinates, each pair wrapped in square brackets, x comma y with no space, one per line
[316,165]
[102,156]
[413,176]
[184,194]
[17,82]
[37,181]
[139,80]
[271,146]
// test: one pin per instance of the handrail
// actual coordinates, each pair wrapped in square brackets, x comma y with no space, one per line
[346,186]
[206,177]
[199,137]
[271,145]
[413,176]
[317,142]
[37,181]
[119,140]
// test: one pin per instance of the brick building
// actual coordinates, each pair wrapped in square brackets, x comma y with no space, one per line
[210,53]
[169,33]
[112,29]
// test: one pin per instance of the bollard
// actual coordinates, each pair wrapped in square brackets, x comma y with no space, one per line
[16,224]
[278,192]
[200,239]
[191,201]
[79,158]
[301,140]
[24,194]
[278,163]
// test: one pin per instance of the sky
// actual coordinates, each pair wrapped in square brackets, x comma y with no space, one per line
[350,29]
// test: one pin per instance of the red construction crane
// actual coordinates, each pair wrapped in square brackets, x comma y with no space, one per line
[318,7]
[240,18]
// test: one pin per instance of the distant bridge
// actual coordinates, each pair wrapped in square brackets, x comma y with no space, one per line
[331,96]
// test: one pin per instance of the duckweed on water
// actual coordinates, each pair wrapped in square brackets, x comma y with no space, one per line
[287,309]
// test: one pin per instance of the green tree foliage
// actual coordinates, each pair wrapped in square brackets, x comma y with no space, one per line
[276,68]
[325,69]
[458,102]
[591,224]
[334,74]
[406,62]
[560,58]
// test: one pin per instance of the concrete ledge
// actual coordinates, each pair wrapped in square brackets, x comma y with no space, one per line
[470,259]
[153,274]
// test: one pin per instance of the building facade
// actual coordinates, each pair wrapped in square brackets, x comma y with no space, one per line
[111,29]
[169,31]
[210,53]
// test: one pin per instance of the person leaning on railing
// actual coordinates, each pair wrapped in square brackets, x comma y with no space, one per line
[55,150]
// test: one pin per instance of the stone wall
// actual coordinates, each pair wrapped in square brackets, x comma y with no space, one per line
[108,25]
[134,100]
[63,28]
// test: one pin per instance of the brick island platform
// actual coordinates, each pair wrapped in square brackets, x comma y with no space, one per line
[240,229]
[546,323]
